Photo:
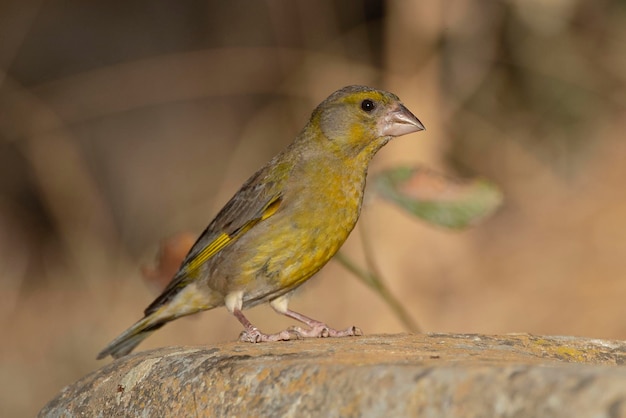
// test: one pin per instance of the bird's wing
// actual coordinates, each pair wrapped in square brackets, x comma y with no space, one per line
[256,201]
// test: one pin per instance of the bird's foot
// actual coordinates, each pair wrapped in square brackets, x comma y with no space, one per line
[253,335]
[321,330]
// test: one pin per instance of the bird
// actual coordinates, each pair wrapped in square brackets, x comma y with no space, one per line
[285,222]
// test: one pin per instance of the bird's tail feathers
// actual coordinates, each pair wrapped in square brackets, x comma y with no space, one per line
[129,339]
[187,301]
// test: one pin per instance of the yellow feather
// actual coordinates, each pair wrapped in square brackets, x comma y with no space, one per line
[224,239]
[208,252]
[271,208]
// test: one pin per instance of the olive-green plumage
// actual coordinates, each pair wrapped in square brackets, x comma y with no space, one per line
[286,221]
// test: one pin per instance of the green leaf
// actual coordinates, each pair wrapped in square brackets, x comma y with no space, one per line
[438,199]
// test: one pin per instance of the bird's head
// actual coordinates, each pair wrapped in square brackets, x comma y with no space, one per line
[360,120]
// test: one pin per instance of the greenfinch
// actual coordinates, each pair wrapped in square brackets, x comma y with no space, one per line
[285,223]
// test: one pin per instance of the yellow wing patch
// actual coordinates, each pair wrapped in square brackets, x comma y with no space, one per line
[225,239]
[207,252]
[271,208]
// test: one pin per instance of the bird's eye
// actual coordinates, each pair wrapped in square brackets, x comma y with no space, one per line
[367,105]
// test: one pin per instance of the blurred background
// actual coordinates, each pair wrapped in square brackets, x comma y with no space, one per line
[122,123]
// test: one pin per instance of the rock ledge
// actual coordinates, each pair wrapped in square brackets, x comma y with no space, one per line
[430,375]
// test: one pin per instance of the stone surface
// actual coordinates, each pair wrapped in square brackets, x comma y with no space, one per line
[433,375]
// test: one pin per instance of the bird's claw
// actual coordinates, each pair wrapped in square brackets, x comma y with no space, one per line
[322,330]
[356,331]
[255,336]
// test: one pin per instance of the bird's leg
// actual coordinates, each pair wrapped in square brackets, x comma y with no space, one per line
[317,329]
[251,334]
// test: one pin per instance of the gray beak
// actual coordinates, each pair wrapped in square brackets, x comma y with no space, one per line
[399,121]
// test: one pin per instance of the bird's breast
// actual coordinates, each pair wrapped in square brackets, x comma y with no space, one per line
[315,218]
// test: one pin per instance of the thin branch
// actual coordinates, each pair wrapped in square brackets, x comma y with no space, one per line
[376,283]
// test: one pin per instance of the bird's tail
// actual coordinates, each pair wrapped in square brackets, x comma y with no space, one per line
[175,302]
[129,339]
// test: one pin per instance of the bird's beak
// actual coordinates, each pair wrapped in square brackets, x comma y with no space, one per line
[399,121]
